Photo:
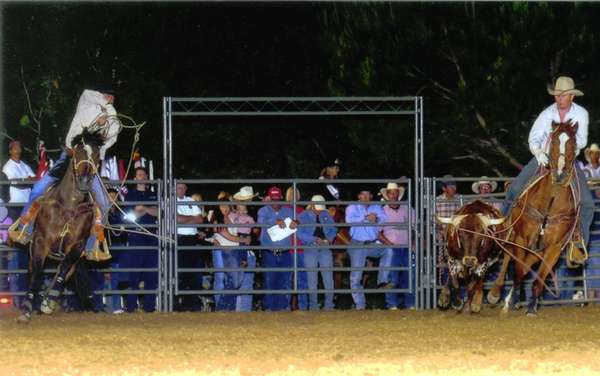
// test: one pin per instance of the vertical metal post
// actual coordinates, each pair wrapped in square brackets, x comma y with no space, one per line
[295,239]
[434,244]
[411,228]
[160,267]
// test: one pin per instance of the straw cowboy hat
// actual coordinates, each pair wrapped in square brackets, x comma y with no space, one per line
[588,152]
[475,186]
[564,85]
[318,198]
[246,193]
[391,186]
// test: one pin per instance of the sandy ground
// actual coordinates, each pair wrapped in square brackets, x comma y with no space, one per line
[560,341]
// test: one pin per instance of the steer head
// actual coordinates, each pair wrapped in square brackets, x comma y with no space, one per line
[467,239]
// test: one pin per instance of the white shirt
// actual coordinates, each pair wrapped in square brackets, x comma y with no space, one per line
[590,172]
[189,210]
[542,127]
[90,107]
[18,170]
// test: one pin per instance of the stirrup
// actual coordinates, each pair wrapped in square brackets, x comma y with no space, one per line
[20,236]
[97,254]
[577,254]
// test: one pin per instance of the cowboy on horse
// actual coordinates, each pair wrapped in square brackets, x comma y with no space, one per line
[95,114]
[562,111]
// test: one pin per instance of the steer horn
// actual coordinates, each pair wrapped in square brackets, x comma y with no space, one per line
[454,220]
[487,221]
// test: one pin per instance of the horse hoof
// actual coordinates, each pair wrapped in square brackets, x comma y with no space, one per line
[492,299]
[475,308]
[443,301]
[457,306]
[531,314]
[48,306]
[24,318]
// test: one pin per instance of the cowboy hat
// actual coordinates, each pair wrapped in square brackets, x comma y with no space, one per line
[246,193]
[564,85]
[392,186]
[588,151]
[475,186]
[318,198]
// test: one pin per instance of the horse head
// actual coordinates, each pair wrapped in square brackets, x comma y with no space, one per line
[563,147]
[86,159]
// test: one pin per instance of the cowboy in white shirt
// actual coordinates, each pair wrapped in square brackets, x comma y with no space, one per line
[592,155]
[95,111]
[563,110]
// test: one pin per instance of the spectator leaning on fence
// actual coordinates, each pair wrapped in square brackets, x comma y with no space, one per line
[445,205]
[397,238]
[298,301]
[315,234]
[18,172]
[145,258]
[365,213]
[484,188]
[279,256]
[117,238]
[246,258]
[187,236]
[592,156]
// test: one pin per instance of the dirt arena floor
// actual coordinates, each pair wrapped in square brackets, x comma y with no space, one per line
[560,341]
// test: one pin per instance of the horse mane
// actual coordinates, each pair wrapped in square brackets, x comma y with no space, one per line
[89,138]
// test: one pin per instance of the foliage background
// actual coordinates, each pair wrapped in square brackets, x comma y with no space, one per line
[482,69]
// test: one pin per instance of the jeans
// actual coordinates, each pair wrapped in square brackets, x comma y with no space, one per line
[243,303]
[302,282]
[18,282]
[358,256]
[592,266]
[319,258]
[402,257]
[225,280]
[528,173]
[277,280]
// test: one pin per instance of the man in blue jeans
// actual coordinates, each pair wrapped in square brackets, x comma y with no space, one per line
[563,110]
[365,213]
[95,112]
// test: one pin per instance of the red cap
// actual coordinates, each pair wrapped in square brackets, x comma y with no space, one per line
[275,193]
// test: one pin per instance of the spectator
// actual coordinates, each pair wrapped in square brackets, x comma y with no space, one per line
[592,266]
[445,205]
[5,222]
[146,257]
[19,173]
[331,191]
[316,215]
[190,258]
[366,213]
[246,258]
[118,238]
[298,301]
[484,188]
[592,168]
[279,257]
[397,238]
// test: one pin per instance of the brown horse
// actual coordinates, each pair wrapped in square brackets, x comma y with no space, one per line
[543,220]
[63,224]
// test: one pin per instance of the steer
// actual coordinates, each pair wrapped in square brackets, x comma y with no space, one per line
[471,252]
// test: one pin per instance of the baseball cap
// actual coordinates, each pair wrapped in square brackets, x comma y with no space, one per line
[274,193]
[448,180]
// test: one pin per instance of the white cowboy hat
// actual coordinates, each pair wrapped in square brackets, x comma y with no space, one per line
[392,186]
[318,198]
[588,151]
[475,186]
[564,85]
[245,194]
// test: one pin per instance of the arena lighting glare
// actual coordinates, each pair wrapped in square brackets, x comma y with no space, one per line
[5,300]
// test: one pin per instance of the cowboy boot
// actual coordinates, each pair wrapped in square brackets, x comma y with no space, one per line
[96,248]
[22,230]
[577,252]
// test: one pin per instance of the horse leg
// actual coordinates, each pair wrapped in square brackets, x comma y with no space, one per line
[493,296]
[551,256]
[520,272]
[36,265]
[50,301]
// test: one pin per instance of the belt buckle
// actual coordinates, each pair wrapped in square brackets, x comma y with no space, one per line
[277,252]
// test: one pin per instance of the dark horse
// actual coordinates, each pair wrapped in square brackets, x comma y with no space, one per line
[543,220]
[63,223]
